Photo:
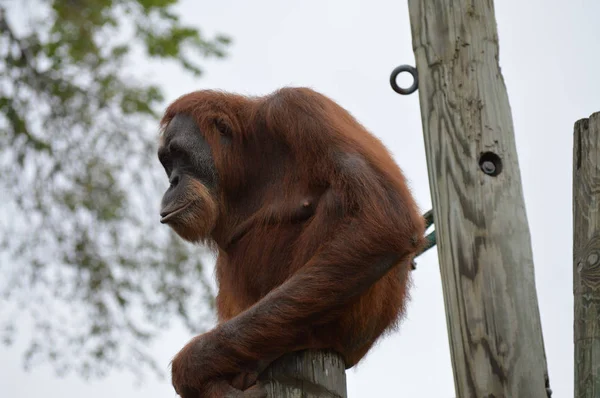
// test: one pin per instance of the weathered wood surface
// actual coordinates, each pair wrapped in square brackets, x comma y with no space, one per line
[586,255]
[306,374]
[483,236]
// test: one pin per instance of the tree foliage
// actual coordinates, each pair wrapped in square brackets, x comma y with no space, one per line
[82,257]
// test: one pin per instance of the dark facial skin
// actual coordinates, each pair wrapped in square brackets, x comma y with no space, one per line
[187,159]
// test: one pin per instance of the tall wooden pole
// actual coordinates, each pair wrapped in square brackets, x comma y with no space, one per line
[483,237]
[306,374]
[586,256]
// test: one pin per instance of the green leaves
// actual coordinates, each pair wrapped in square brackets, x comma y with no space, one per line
[82,254]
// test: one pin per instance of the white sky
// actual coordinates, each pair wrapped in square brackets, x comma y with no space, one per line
[347,49]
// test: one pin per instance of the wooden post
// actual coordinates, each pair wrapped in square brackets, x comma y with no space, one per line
[483,239]
[586,255]
[306,374]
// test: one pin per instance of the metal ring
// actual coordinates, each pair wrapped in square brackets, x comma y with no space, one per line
[405,68]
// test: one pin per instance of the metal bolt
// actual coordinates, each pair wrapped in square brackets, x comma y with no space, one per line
[488,167]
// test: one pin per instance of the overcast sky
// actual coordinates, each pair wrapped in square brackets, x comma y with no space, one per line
[347,49]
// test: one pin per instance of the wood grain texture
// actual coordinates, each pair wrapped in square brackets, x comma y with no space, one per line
[586,255]
[306,374]
[484,244]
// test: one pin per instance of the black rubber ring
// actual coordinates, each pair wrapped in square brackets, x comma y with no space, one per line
[404,68]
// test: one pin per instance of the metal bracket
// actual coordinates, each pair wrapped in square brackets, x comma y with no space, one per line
[431,237]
